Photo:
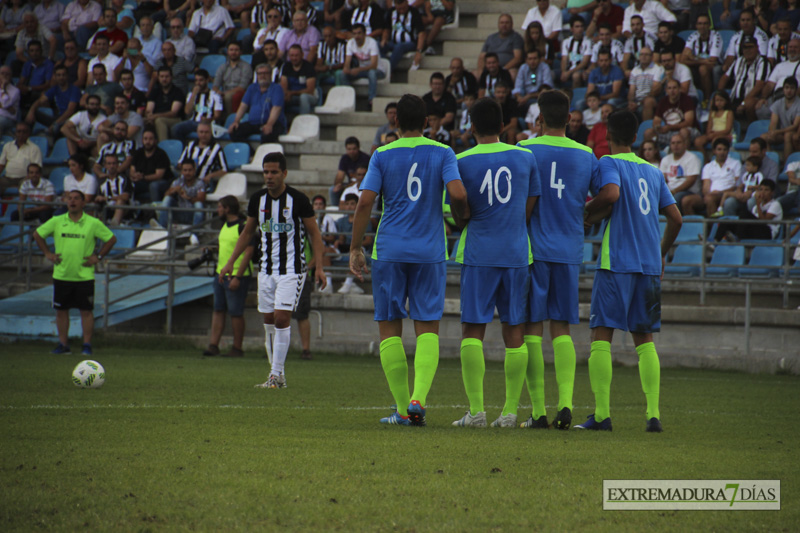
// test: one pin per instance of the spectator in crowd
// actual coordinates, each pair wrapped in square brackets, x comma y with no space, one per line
[608,14]
[312,15]
[269,56]
[580,8]
[361,60]
[785,69]
[778,45]
[535,40]
[506,45]
[591,115]
[702,54]
[718,176]
[597,136]
[264,101]
[434,131]
[299,83]
[151,44]
[437,14]
[267,24]
[344,226]
[371,15]
[765,208]
[532,121]
[302,34]
[327,227]
[81,130]
[239,10]
[784,124]
[49,14]
[211,26]
[675,113]
[334,14]
[607,80]
[35,188]
[201,104]
[391,126]
[232,78]
[330,57]
[133,122]
[576,50]
[605,43]
[460,82]
[680,73]
[102,56]
[178,66]
[207,154]
[720,121]
[355,185]
[575,128]
[16,156]
[685,12]
[137,100]
[77,67]
[120,147]
[115,190]
[533,78]
[186,192]
[102,88]
[33,30]
[749,74]
[791,200]
[348,164]
[492,74]
[61,100]
[667,42]
[11,20]
[645,85]
[439,98]
[37,73]
[502,95]
[117,37]
[749,33]
[79,21]
[651,11]
[649,152]
[134,60]
[150,169]
[183,44]
[681,169]
[741,198]
[9,101]
[639,39]
[464,131]
[164,105]
[405,33]
[79,179]
[548,16]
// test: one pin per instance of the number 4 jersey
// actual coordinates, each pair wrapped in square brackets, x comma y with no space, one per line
[411,173]
[632,238]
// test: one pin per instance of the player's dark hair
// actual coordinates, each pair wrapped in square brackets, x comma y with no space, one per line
[34,42]
[769,184]
[230,202]
[790,80]
[622,126]
[188,161]
[37,165]
[352,140]
[80,159]
[491,54]
[554,108]
[351,196]
[576,18]
[275,157]
[79,193]
[760,142]
[753,161]
[638,17]
[594,94]
[723,141]
[390,105]
[102,37]
[411,113]
[93,96]
[165,68]
[665,24]
[359,26]
[202,73]
[436,76]
[319,197]
[487,117]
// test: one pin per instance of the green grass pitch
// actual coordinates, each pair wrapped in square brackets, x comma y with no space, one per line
[175,442]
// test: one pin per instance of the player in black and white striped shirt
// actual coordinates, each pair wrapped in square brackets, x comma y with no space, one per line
[284,216]
[120,147]
[201,104]
[207,154]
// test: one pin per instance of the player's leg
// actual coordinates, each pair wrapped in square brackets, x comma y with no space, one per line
[266,305]
[85,303]
[537,314]
[645,317]
[287,293]
[61,292]
[217,317]
[62,325]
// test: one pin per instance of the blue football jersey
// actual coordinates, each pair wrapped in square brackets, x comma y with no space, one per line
[499,179]
[411,174]
[569,170]
[632,237]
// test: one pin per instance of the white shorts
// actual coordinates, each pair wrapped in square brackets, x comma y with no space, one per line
[279,291]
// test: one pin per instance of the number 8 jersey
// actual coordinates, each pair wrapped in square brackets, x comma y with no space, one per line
[411,174]
[632,237]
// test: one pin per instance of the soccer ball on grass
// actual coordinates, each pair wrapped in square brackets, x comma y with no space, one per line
[89,375]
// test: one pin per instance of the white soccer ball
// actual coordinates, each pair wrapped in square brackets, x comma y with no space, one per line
[89,375]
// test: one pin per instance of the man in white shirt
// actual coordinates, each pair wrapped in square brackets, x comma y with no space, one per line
[81,130]
[651,11]
[702,55]
[718,176]
[104,57]
[638,40]
[605,41]
[680,73]
[575,53]
[211,16]
[645,84]
[549,17]
[777,48]
[785,69]
[747,23]
[681,169]
[184,45]
[784,123]
[16,156]
[364,51]
[151,45]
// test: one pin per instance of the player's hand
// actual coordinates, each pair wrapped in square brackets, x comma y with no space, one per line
[322,280]
[53,258]
[358,264]
[227,270]
[90,261]
[233,284]
[663,265]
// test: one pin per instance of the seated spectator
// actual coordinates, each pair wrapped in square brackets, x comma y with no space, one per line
[164,105]
[749,74]
[37,73]
[548,16]
[117,38]
[105,90]
[179,67]
[651,11]
[150,170]
[717,176]
[16,156]
[778,45]
[576,51]
[348,164]
[492,75]
[464,131]
[79,179]
[534,40]
[739,199]
[335,13]
[720,121]
[774,85]
[302,34]
[680,73]
[344,226]
[120,147]
[577,8]
[35,188]
[182,44]
[77,67]
[681,169]
[370,14]
[232,78]
[299,83]
[605,43]
[207,153]
[608,14]
[186,191]
[645,85]
[115,189]
[591,115]
[639,39]
[49,13]
[327,227]
[575,128]
[784,124]
[133,121]
[437,13]
[102,56]
[201,104]
[685,12]
[33,30]
[439,98]
[667,41]
[749,33]
[61,100]
[267,27]
[137,100]
[435,131]
[702,54]
[532,121]
[361,61]
[151,45]
[506,45]
[534,77]
[502,95]
[211,26]
[391,125]
[354,187]
[79,21]
[597,136]
[312,15]
[606,80]
[649,152]
[239,10]
[269,56]
[405,33]
[791,200]
[460,82]
[675,113]
[81,130]
[264,101]
[330,57]
[134,60]
[765,208]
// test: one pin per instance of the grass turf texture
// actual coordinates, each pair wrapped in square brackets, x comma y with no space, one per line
[177,442]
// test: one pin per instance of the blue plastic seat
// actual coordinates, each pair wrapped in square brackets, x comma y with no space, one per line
[685,34]
[57,176]
[691,228]
[126,240]
[211,63]
[794,272]
[646,124]
[765,262]
[12,230]
[240,36]
[578,96]
[726,255]
[237,154]
[174,148]
[41,142]
[726,35]
[756,129]
[59,155]
[783,176]
[692,255]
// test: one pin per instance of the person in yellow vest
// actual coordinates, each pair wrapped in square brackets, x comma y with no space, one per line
[230,295]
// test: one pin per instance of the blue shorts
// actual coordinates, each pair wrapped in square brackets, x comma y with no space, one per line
[484,287]
[630,302]
[421,285]
[228,301]
[554,292]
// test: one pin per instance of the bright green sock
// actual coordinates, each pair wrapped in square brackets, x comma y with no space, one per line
[564,356]
[650,374]
[600,378]
[473,368]
[534,373]
[426,360]
[515,367]
[395,366]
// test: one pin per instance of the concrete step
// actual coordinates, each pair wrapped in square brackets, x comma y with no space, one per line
[502,6]
[399,89]
[315,147]
[381,102]
[364,134]
[442,63]
[319,162]
[463,49]
[376,118]
[488,21]
[464,34]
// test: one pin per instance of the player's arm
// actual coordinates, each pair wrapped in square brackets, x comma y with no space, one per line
[674,223]
[107,246]
[316,246]
[50,256]
[244,240]
[529,205]
[358,263]
[600,206]
[458,202]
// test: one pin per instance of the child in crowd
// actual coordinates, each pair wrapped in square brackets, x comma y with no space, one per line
[591,115]
[464,131]
[750,181]
[435,131]
[720,121]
